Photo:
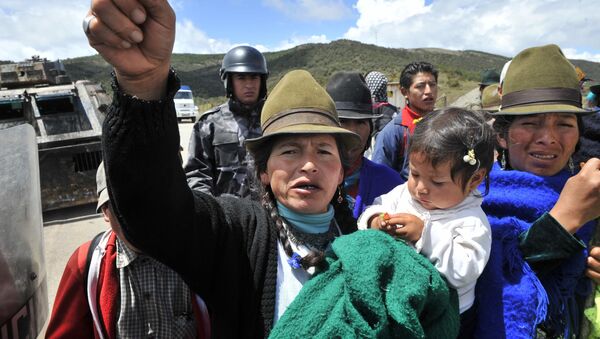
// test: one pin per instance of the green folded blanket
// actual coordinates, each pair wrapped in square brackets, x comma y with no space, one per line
[373,287]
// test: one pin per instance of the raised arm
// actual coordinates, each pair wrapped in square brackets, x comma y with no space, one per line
[140,141]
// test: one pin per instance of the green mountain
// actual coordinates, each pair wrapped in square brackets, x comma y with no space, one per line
[459,70]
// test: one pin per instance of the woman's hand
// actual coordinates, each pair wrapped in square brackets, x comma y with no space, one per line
[579,201]
[593,265]
[402,225]
[136,37]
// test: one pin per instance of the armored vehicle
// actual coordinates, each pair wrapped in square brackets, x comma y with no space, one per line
[23,275]
[67,118]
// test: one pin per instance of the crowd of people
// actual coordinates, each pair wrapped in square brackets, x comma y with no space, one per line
[468,223]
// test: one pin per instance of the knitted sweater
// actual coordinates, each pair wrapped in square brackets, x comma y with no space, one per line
[224,248]
[385,290]
[512,297]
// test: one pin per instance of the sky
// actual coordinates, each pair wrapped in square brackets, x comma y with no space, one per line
[52,29]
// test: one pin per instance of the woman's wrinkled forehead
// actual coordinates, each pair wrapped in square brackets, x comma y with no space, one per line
[302,140]
[548,116]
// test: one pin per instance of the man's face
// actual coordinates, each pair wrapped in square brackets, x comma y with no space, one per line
[422,93]
[246,87]
[362,127]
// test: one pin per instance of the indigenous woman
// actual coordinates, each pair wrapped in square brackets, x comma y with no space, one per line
[540,205]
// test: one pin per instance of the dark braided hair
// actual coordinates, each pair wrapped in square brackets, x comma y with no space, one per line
[343,214]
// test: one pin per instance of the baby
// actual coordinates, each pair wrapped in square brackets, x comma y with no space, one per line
[438,210]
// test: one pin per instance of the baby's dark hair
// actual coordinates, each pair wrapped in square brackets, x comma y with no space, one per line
[448,134]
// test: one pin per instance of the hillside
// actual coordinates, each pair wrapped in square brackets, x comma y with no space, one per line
[459,70]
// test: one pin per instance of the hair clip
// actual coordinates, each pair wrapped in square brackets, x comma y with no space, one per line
[294,261]
[469,158]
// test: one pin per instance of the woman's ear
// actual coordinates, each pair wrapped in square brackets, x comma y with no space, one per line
[265,179]
[502,141]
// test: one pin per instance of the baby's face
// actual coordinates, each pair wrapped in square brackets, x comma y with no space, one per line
[433,187]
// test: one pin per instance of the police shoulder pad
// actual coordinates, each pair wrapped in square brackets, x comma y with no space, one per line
[209,112]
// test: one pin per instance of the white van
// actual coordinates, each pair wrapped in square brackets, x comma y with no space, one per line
[184,104]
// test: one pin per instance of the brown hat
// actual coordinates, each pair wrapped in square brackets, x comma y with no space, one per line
[299,105]
[541,80]
[490,98]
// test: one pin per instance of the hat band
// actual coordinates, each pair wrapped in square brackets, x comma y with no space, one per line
[566,96]
[353,106]
[299,116]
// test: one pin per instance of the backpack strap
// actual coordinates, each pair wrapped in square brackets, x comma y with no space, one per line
[95,254]
[93,244]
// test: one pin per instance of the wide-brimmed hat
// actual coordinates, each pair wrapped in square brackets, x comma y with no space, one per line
[490,98]
[299,105]
[541,80]
[101,187]
[488,77]
[351,96]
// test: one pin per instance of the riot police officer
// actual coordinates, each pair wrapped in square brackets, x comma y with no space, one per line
[218,162]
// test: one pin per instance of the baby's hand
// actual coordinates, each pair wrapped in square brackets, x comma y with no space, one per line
[402,225]
[405,226]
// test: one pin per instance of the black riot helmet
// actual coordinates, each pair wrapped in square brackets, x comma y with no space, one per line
[244,59]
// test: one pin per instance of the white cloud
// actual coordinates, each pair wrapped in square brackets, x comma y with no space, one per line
[500,27]
[190,39]
[299,40]
[571,53]
[51,29]
[320,10]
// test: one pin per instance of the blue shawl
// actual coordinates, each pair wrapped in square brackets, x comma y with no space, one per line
[511,299]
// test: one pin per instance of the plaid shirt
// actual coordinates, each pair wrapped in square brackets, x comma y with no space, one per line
[154,301]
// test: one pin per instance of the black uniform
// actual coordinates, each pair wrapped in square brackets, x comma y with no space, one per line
[218,162]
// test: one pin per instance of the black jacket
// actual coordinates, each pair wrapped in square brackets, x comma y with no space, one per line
[218,162]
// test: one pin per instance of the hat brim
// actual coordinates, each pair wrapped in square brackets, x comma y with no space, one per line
[537,109]
[348,114]
[491,109]
[348,138]
[102,199]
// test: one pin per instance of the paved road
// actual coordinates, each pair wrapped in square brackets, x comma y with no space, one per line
[66,229]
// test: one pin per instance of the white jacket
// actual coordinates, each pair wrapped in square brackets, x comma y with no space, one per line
[457,240]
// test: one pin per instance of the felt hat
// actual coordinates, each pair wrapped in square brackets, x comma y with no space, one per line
[490,98]
[489,76]
[299,105]
[351,96]
[101,187]
[541,80]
